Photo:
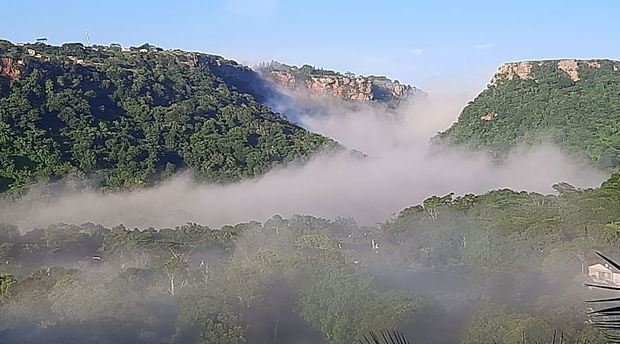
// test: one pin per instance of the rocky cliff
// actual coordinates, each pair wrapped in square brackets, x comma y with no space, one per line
[570,103]
[526,70]
[11,68]
[346,86]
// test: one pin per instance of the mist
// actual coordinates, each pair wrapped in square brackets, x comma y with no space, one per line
[400,168]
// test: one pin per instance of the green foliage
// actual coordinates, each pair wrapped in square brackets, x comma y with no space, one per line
[6,281]
[524,253]
[591,336]
[494,326]
[224,329]
[77,300]
[578,116]
[504,229]
[341,302]
[185,285]
[128,119]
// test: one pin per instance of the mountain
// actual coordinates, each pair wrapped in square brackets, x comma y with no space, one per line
[571,103]
[347,86]
[129,117]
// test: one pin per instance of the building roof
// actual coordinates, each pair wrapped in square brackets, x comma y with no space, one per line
[599,267]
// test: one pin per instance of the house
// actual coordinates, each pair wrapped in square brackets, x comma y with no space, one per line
[603,273]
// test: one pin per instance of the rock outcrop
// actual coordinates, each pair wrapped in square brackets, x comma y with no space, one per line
[570,67]
[523,70]
[337,86]
[512,70]
[11,68]
[345,86]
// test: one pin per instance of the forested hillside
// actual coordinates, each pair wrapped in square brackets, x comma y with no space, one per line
[129,117]
[491,268]
[526,255]
[571,103]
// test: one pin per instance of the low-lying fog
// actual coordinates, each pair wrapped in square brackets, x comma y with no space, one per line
[401,169]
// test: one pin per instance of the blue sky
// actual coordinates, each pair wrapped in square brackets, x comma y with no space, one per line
[418,42]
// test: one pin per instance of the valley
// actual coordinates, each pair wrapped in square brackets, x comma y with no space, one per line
[152,195]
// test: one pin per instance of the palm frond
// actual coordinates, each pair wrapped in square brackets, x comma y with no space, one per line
[602,286]
[609,261]
[613,299]
[384,337]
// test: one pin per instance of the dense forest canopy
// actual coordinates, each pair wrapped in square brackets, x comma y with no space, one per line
[573,104]
[134,116]
[514,262]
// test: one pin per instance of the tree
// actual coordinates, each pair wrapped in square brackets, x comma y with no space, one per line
[431,204]
[496,326]
[176,269]
[222,329]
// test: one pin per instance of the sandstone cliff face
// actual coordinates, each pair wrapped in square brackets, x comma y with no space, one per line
[348,87]
[570,67]
[512,70]
[11,68]
[400,90]
[524,70]
[342,87]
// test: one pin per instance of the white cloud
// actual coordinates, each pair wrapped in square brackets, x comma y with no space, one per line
[415,52]
[484,46]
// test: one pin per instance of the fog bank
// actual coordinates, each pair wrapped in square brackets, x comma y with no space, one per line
[401,169]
